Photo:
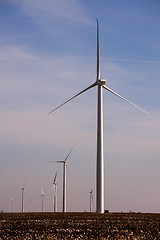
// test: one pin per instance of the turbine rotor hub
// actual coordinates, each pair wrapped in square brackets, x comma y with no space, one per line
[101,82]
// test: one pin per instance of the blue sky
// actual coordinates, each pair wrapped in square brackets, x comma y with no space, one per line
[47,55]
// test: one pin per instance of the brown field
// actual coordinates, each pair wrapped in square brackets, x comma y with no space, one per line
[79,226]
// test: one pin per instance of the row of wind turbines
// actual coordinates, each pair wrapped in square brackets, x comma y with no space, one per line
[65,167]
[55,183]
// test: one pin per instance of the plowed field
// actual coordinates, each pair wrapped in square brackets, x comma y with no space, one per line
[79,226]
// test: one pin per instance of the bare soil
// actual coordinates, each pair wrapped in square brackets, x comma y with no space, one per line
[79,226]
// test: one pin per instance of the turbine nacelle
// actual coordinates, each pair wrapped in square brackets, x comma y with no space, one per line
[100,82]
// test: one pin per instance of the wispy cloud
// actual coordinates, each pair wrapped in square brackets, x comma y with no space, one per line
[27,77]
[27,71]
[132,60]
[38,10]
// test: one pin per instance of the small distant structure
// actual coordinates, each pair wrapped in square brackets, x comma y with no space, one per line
[106,211]
[23,189]
[30,204]
[90,200]
[12,201]
[55,193]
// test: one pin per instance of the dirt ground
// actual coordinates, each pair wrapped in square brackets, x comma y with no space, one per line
[79,226]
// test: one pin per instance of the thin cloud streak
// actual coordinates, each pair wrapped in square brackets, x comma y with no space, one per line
[27,68]
[71,10]
[132,60]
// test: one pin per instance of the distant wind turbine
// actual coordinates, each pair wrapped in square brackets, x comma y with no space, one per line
[30,204]
[100,83]
[64,179]
[55,193]
[90,200]
[42,197]
[23,189]
[12,201]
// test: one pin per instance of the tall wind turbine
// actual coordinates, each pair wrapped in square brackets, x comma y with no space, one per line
[90,200]
[64,179]
[100,83]
[55,193]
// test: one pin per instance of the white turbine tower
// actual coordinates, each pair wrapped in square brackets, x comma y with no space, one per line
[100,83]
[90,200]
[55,193]
[64,179]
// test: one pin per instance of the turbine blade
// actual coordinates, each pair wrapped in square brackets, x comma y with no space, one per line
[40,197]
[68,168]
[98,69]
[42,191]
[54,161]
[24,185]
[91,86]
[68,154]
[124,99]
[54,181]
[92,197]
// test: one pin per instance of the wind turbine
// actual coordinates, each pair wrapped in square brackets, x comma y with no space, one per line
[23,198]
[100,83]
[42,197]
[55,193]
[64,179]
[90,200]
[12,201]
[30,204]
